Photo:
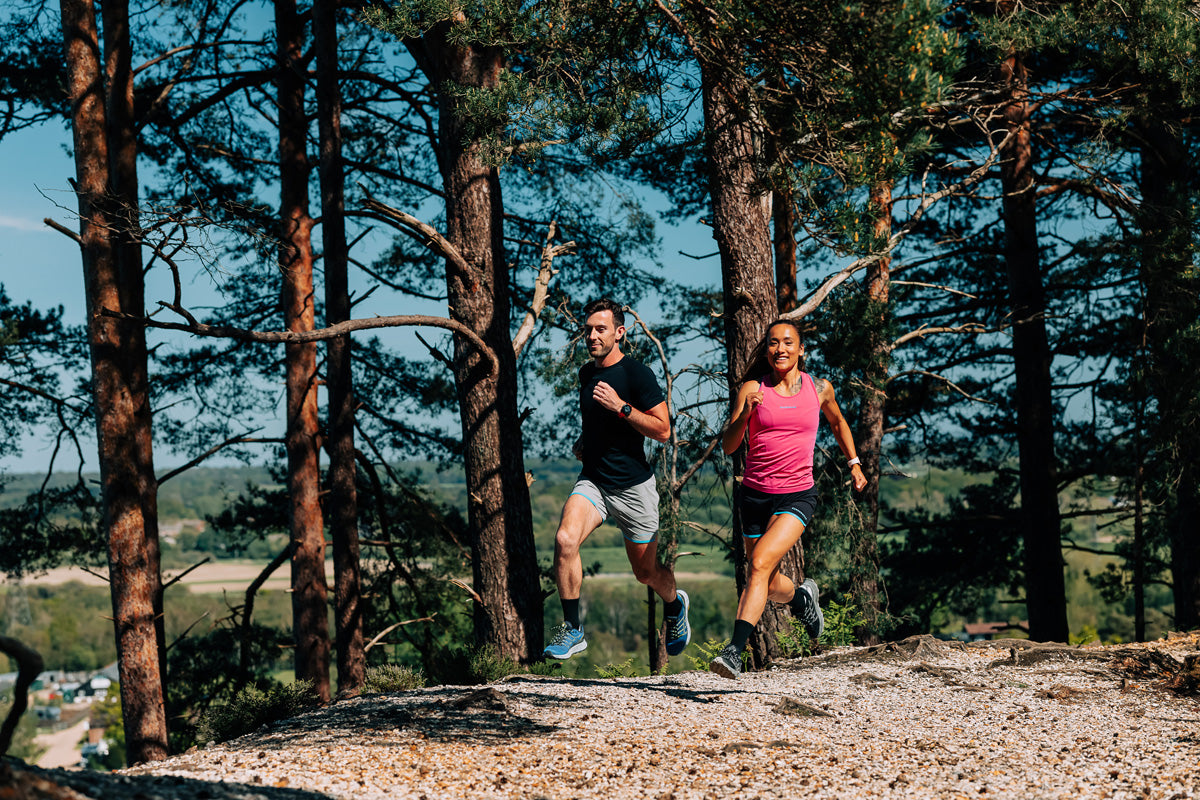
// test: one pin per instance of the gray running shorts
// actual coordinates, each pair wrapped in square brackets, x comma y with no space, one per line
[634,509]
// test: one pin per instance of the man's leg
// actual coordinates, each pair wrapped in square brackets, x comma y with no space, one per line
[643,557]
[579,518]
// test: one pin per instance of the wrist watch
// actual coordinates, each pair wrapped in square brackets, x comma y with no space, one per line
[626,410]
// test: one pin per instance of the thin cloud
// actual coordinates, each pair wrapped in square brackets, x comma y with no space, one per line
[21,224]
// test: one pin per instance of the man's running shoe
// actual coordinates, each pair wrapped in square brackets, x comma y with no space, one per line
[728,663]
[565,642]
[810,614]
[679,630]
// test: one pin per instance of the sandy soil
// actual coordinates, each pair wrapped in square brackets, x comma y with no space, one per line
[232,576]
[62,747]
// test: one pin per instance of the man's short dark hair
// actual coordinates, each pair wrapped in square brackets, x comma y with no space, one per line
[606,304]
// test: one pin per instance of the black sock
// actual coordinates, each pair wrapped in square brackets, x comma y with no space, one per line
[799,603]
[741,634]
[571,612]
[673,608]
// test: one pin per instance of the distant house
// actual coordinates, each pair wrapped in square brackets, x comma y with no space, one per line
[980,631]
[94,688]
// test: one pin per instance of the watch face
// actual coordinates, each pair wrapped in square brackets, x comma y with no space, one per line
[626,410]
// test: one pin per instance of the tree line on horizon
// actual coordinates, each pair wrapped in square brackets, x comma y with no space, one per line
[981,213]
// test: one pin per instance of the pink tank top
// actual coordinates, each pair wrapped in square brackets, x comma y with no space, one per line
[782,435]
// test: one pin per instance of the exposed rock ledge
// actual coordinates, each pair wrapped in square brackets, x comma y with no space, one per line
[919,718]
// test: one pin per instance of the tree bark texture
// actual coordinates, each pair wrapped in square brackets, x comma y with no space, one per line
[1045,590]
[784,213]
[123,179]
[864,549]
[741,220]
[342,502]
[121,402]
[1172,311]
[310,624]
[504,560]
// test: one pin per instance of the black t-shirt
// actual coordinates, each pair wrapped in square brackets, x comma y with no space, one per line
[614,453]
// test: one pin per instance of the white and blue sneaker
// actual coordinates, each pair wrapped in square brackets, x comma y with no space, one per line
[679,630]
[566,642]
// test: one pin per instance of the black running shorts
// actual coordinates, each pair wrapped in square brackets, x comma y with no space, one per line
[759,507]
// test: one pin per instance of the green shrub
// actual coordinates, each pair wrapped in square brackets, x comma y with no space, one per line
[252,708]
[388,678]
[487,665]
[710,650]
[550,667]
[840,621]
[625,669]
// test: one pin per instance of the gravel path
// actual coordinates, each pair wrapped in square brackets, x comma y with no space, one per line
[920,719]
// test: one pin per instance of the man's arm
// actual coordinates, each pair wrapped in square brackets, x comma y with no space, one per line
[654,423]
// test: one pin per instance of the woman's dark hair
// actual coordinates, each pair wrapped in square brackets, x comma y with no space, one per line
[606,304]
[758,366]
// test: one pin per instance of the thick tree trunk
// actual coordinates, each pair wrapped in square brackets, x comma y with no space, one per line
[741,218]
[343,497]
[310,623]
[1172,311]
[1045,590]
[121,401]
[504,561]
[123,178]
[864,549]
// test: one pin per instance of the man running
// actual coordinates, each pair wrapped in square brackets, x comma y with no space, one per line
[620,403]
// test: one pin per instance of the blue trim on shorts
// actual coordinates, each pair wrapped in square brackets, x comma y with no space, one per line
[603,515]
[651,540]
[803,522]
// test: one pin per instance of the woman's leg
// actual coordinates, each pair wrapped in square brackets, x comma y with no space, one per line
[765,581]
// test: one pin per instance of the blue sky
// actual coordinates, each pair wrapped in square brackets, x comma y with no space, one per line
[42,266]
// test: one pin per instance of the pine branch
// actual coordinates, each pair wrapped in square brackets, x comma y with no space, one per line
[546,273]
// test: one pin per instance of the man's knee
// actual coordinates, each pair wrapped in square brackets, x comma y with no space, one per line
[645,572]
[566,542]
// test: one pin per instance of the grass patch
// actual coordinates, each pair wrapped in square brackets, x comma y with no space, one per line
[252,708]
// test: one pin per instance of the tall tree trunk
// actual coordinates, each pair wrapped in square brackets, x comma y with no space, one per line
[343,497]
[505,571]
[864,550]
[784,228]
[123,178]
[121,399]
[1045,590]
[1172,325]
[741,219]
[310,623]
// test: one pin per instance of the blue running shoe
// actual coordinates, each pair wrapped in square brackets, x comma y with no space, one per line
[565,642]
[679,630]
[811,614]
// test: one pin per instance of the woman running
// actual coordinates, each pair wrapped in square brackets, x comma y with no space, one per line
[779,412]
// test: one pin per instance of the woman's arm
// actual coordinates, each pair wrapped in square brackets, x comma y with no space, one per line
[749,396]
[841,431]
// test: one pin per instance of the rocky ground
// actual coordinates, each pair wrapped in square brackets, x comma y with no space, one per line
[919,718]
